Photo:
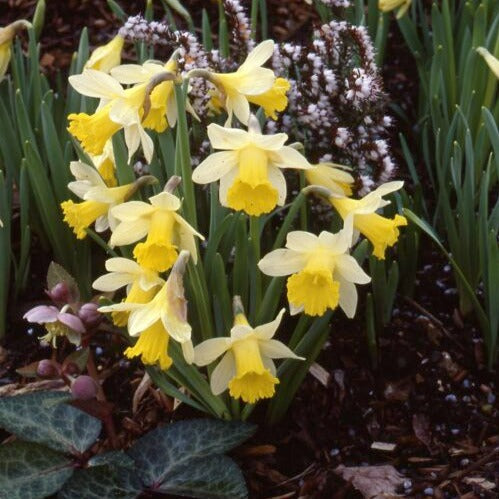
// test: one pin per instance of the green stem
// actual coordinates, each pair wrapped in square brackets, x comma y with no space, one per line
[184,158]
[93,235]
[254,223]
[254,17]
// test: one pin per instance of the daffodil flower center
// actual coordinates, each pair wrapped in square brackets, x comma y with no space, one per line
[79,216]
[313,288]
[93,131]
[252,381]
[252,191]
[158,251]
[152,346]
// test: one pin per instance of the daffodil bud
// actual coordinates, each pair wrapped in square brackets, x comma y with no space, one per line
[6,36]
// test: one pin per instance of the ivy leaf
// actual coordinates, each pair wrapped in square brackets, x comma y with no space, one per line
[101,482]
[165,452]
[31,471]
[45,418]
[213,477]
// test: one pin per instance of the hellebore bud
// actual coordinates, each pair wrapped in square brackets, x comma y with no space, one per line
[60,293]
[84,388]
[47,369]
[89,315]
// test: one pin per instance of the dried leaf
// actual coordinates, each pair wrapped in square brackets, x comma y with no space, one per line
[421,427]
[373,482]
[141,390]
[481,482]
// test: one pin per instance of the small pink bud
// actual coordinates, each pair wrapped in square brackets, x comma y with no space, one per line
[60,293]
[84,388]
[89,315]
[47,369]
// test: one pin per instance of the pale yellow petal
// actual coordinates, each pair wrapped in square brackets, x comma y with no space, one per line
[208,351]
[349,269]
[287,157]
[274,349]
[128,232]
[281,262]
[97,84]
[259,55]
[227,138]
[300,240]
[165,201]
[214,167]
[223,373]
[267,331]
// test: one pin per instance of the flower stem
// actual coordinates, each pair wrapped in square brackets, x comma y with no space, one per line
[254,223]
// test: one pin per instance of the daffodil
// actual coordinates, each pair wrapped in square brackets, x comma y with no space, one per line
[247,368]
[331,176]
[491,61]
[381,231]
[163,109]
[118,109]
[388,5]
[105,164]
[274,99]
[167,232]
[98,200]
[250,80]
[141,284]
[249,167]
[164,317]
[107,56]
[323,273]
[7,34]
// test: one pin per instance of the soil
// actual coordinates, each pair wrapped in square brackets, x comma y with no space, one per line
[430,394]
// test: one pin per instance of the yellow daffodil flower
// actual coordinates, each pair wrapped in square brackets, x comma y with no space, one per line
[7,34]
[141,284]
[332,177]
[163,110]
[98,200]
[381,231]
[155,322]
[250,80]
[107,56]
[105,164]
[491,61]
[167,232]
[389,5]
[323,273]
[118,109]
[249,167]
[246,368]
[274,99]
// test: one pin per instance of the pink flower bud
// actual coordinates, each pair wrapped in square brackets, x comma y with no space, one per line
[60,293]
[89,315]
[84,388]
[47,369]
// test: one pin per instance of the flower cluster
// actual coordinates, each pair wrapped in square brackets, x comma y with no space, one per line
[247,166]
[336,101]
